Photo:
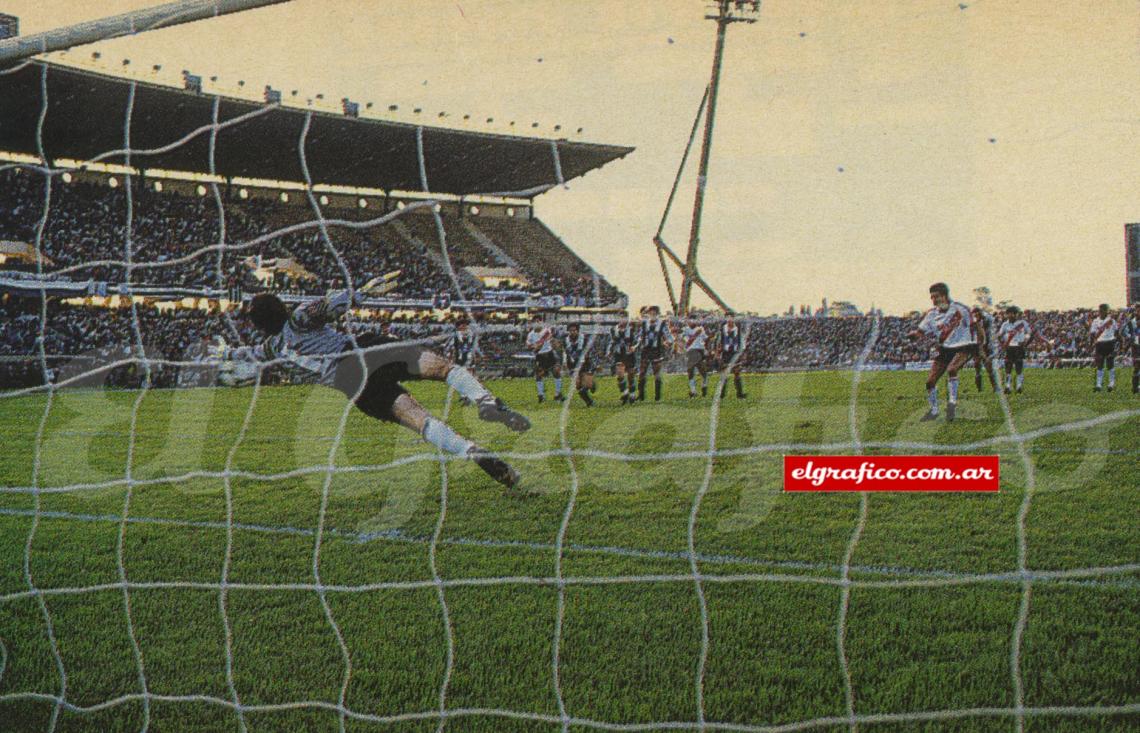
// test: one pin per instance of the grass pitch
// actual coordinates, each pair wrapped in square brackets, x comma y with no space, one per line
[629,641]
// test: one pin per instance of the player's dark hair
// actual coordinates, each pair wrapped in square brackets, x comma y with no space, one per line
[267,313]
[1012,310]
[1103,306]
[940,288]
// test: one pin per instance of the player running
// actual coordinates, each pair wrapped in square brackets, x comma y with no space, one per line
[578,353]
[369,369]
[951,323]
[987,351]
[540,339]
[729,353]
[1103,331]
[693,338]
[624,344]
[1013,337]
[656,336]
[1130,338]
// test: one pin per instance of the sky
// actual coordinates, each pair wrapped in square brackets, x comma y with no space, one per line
[863,148]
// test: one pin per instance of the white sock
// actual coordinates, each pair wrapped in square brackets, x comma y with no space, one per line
[1099,377]
[693,384]
[953,384]
[932,398]
[558,385]
[1112,377]
[1009,380]
[465,383]
[1020,380]
[704,381]
[441,436]
[541,388]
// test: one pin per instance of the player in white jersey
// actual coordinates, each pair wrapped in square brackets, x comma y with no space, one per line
[985,337]
[540,339]
[1103,331]
[368,369]
[1130,340]
[1013,337]
[951,324]
[693,340]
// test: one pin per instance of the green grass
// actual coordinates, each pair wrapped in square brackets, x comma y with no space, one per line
[629,649]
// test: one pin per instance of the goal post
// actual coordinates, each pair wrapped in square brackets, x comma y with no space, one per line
[125,24]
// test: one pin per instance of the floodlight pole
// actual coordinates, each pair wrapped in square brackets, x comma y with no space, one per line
[728,12]
[126,24]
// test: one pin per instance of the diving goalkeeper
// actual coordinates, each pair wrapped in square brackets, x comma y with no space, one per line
[369,368]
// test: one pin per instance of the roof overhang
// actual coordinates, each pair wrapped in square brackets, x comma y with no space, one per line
[171,129]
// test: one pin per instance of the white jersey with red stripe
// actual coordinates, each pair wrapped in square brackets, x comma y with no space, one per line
[694,338]
[1103,329]
[1015,334]
[543,340]
[952,327]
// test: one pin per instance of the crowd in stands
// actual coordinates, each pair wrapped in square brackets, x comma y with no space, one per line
[111,334]
[175,241]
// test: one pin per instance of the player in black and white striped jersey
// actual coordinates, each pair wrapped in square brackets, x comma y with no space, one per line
[463,346]
[369,369]
[1130,340]
[623,346]
[578,360]
[656,337]
[730,350]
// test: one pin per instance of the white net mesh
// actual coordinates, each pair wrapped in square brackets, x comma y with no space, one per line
[583,461]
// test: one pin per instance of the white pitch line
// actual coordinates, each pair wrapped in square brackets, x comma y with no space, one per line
[861,523]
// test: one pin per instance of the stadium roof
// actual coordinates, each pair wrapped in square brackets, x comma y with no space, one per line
[87,111]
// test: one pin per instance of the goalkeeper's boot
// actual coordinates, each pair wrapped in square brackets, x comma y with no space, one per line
[930,415]
[492,409]
[950,407]
[494,467]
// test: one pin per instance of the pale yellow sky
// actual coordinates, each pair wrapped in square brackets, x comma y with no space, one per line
[904,97]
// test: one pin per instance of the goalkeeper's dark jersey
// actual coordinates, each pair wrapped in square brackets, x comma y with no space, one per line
[307,347]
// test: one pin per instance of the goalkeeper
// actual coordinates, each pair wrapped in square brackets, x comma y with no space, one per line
[369,368]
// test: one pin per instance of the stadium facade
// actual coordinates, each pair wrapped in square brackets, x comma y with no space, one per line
[264,157]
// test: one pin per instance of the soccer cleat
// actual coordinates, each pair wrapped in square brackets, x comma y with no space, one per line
[559,398]
[1096,389]
[492,409]
[494,467]
[950,406]
[541,399]
[704,391]
[1019,390]
[931,415]
[1111,387]
[742,395]
[1008,390]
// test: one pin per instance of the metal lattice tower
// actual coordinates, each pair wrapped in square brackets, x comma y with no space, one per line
[725,13]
